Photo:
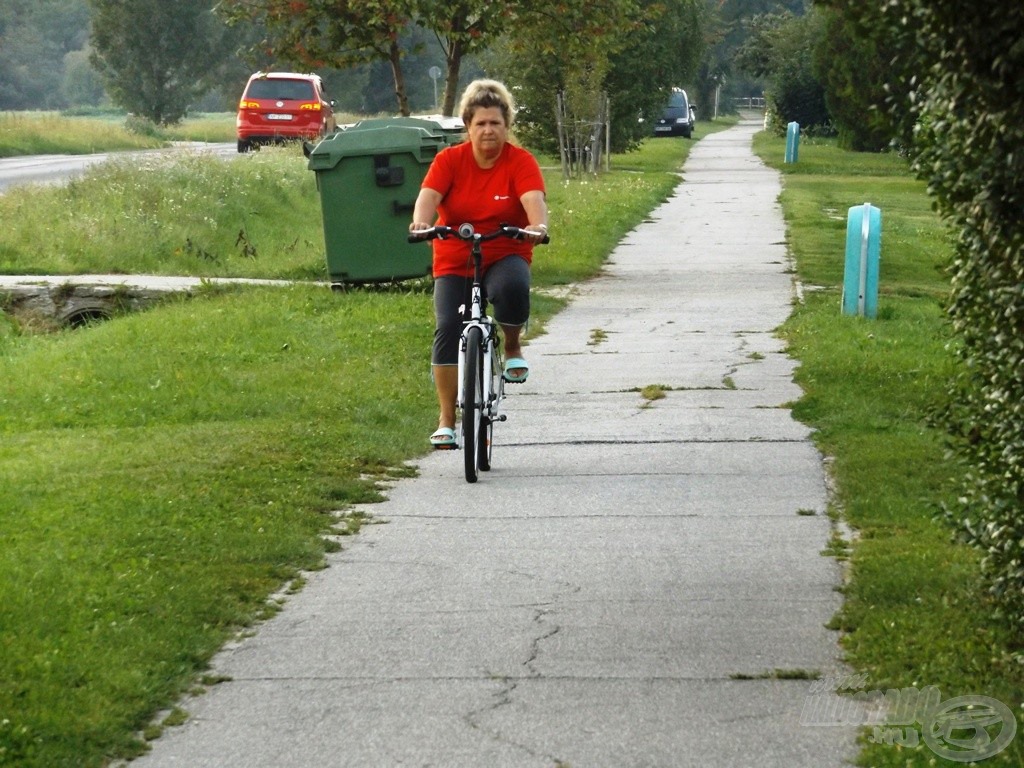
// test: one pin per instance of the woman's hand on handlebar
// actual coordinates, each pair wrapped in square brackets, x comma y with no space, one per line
[535,233]
[418,232]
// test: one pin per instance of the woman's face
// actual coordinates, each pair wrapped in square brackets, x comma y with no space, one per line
[488,131]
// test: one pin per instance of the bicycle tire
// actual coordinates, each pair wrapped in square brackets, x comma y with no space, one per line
[486,442]
[472,403]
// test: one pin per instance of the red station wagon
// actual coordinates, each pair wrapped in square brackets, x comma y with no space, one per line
[278,106]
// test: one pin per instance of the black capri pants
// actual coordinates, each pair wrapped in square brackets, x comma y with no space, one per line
[507,288]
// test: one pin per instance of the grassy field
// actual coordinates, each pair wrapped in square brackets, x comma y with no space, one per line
[164,473]
[915,614]
[51,133]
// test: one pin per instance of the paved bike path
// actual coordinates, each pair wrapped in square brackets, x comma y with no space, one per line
[625,585]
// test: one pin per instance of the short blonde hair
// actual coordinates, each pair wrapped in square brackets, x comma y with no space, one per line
[486,93]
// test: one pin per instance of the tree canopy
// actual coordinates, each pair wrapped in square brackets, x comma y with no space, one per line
[778,49]
[344,33]
[462,28]
[633,51]
[35,36]
[156,57]
[314,34]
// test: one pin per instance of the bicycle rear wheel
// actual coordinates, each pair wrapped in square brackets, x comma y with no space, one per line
[483,443]
[472,404]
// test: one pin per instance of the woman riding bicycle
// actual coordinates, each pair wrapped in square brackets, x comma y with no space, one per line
[486,182]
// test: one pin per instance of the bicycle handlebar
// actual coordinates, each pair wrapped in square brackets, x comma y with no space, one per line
[469,234]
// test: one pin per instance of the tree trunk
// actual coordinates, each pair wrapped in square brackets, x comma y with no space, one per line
[451,81]
[395,55]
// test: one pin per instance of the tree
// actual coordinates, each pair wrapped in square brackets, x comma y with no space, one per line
[853,65]
[349,33]
[35,36]
[726,31]
[156,57]
[462,28]
[633,50]
[779,49]
[562,49]
[657,55]
[81,83]
[331,33]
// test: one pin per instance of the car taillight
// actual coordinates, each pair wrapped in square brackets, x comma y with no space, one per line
[315,106]
[243,104]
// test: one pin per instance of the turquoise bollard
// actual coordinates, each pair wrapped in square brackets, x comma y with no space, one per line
[792,142]
[863,254]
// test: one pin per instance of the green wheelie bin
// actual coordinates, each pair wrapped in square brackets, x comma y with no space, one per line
[368,176]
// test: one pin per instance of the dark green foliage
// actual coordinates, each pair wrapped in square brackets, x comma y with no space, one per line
[779,50]
[635,53]
[656,57]
[727,30]
[35,36]
[156,57]
[966,115]
[853,68]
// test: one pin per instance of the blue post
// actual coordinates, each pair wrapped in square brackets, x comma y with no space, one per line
[792,142]
[863,252]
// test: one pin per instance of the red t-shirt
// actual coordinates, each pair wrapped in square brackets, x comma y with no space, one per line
[486,198]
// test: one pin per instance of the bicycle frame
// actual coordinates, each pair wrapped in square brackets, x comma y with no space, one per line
[491,395]
[481,384]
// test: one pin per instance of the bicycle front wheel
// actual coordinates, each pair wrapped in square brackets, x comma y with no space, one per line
[490,411]
[472,403]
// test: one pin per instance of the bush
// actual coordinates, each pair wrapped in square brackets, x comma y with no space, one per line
[853,67]
[141,126]
[965,115]
[972,155]
[779,49]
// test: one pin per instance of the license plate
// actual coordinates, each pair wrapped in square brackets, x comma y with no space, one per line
[279,117]
[663,127]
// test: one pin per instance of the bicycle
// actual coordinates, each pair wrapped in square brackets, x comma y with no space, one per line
[481,384]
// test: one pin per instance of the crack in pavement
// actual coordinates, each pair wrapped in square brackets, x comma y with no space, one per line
[504,698]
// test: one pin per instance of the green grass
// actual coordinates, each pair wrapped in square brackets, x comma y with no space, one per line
[259,216]
[255,216]
[151,501]
[162,474]
[914,613]
[50,133]
[213,127]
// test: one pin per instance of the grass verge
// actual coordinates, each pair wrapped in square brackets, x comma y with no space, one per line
[162,474]
[915,613]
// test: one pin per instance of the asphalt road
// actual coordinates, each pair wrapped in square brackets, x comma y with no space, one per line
[58,169]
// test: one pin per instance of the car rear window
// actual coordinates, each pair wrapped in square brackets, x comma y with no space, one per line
[281,90]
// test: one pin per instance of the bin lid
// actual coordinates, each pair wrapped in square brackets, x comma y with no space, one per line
[450,126]
[384,139]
